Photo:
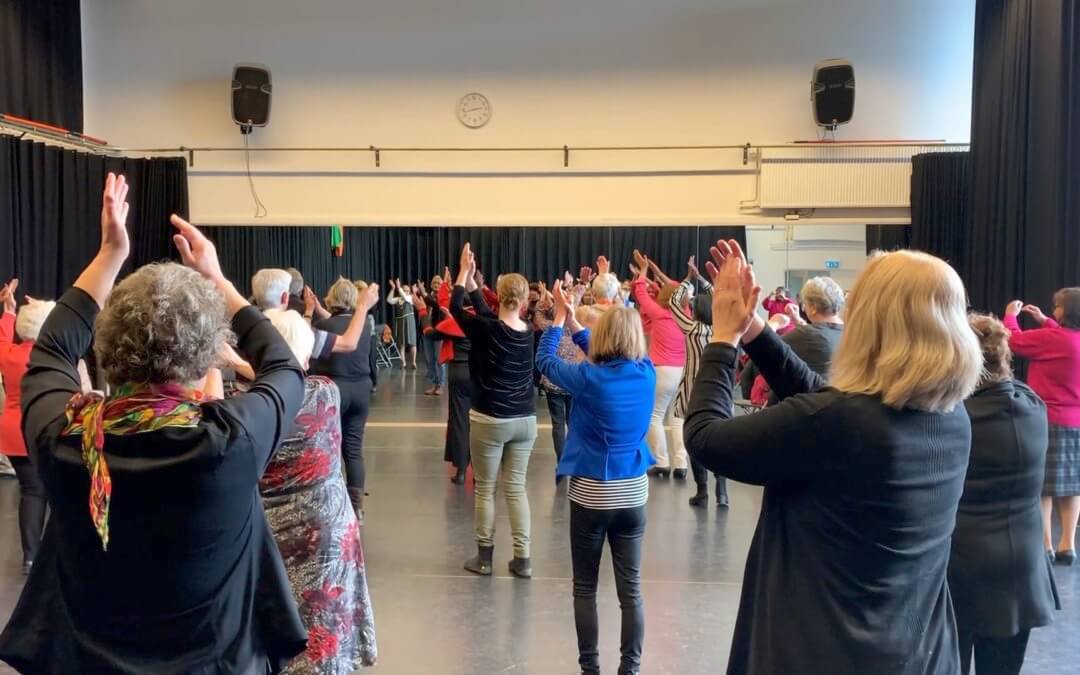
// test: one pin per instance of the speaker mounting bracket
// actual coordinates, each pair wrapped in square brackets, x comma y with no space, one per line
[378,156]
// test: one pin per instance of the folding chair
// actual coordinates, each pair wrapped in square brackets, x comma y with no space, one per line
[385,355]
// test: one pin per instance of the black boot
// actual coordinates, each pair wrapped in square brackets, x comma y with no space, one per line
[459,477]
[701,499]
[721,493]
[356,497]
[679,474]
[659,472]
[521,568]
[481,562]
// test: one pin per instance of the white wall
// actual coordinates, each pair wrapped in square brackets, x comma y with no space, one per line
[578,72]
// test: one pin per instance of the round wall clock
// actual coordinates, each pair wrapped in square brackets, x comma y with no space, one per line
[473,110]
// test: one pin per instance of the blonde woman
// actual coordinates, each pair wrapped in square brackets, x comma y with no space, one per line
[862,479]
[502,419]
[606,457]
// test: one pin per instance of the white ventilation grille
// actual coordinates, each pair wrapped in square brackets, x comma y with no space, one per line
[839,177]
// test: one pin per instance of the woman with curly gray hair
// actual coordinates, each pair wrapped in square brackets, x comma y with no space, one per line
[157,557]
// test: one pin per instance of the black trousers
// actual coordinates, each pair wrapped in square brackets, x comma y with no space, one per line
[32,506]
[624,530]
[993,656]
[355,397]
[457,425]
[559,407]
[701,477]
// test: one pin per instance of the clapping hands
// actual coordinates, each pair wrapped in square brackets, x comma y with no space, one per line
[735,294]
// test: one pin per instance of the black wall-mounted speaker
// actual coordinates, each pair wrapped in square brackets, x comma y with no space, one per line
[832,92]
[251,96]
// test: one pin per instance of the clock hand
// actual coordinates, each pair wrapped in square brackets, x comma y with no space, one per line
[468,110]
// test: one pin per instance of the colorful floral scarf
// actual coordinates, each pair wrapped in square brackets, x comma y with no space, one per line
[133,409]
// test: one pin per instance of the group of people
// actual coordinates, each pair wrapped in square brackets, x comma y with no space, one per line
[909,479]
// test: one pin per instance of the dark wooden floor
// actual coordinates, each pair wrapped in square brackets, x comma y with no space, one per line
[432,617]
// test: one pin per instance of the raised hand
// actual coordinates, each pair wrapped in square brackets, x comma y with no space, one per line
[564,303]
[640,268]
[1035,313]
[791,310]
[418,302]
[1014,308]
[114,213]
[196,250]
[692,271]
[567,279]
[735,294]
[602,265]
[369,297]
[310,301]
[7,295]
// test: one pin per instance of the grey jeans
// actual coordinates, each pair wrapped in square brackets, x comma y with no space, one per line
[500,453]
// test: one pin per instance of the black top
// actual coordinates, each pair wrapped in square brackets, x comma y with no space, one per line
[192,581]
[500,360]
[846,572]
[355,365]
[815,343]
[999,576]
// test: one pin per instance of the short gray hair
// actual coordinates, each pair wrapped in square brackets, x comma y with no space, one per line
[163,323]
[268,285]
[342,295]
[823,294]
[297,283]
[605,286]
[296,332]
[31,317]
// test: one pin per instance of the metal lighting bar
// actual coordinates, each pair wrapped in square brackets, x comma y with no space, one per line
[378,151]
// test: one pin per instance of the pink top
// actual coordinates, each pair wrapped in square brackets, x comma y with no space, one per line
[667,344]
[774,306]
[1054,372]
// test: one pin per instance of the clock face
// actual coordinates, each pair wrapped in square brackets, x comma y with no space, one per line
[473,110]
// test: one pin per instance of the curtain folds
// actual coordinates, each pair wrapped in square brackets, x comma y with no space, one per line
[940,200]
[412,253]
[887,237]
[41,61]
[50,211]
[1024,240]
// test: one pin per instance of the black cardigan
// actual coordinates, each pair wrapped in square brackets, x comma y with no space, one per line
[500,360]
[999,576]
[192,581]
[846,573]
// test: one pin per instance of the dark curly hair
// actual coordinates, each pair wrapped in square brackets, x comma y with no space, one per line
[994,341]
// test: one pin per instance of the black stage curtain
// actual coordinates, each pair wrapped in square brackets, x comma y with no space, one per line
[1024,240]
[413,253]
[50,211]
[940,198]
[887,237]
[41,61]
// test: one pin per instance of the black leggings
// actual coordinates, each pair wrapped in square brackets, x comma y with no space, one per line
[457,425]
[993,656]
[624,530]
[559,406]
[32,506]
[701,477]
[355,396]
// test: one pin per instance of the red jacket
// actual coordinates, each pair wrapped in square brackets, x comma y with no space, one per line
[13,361]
